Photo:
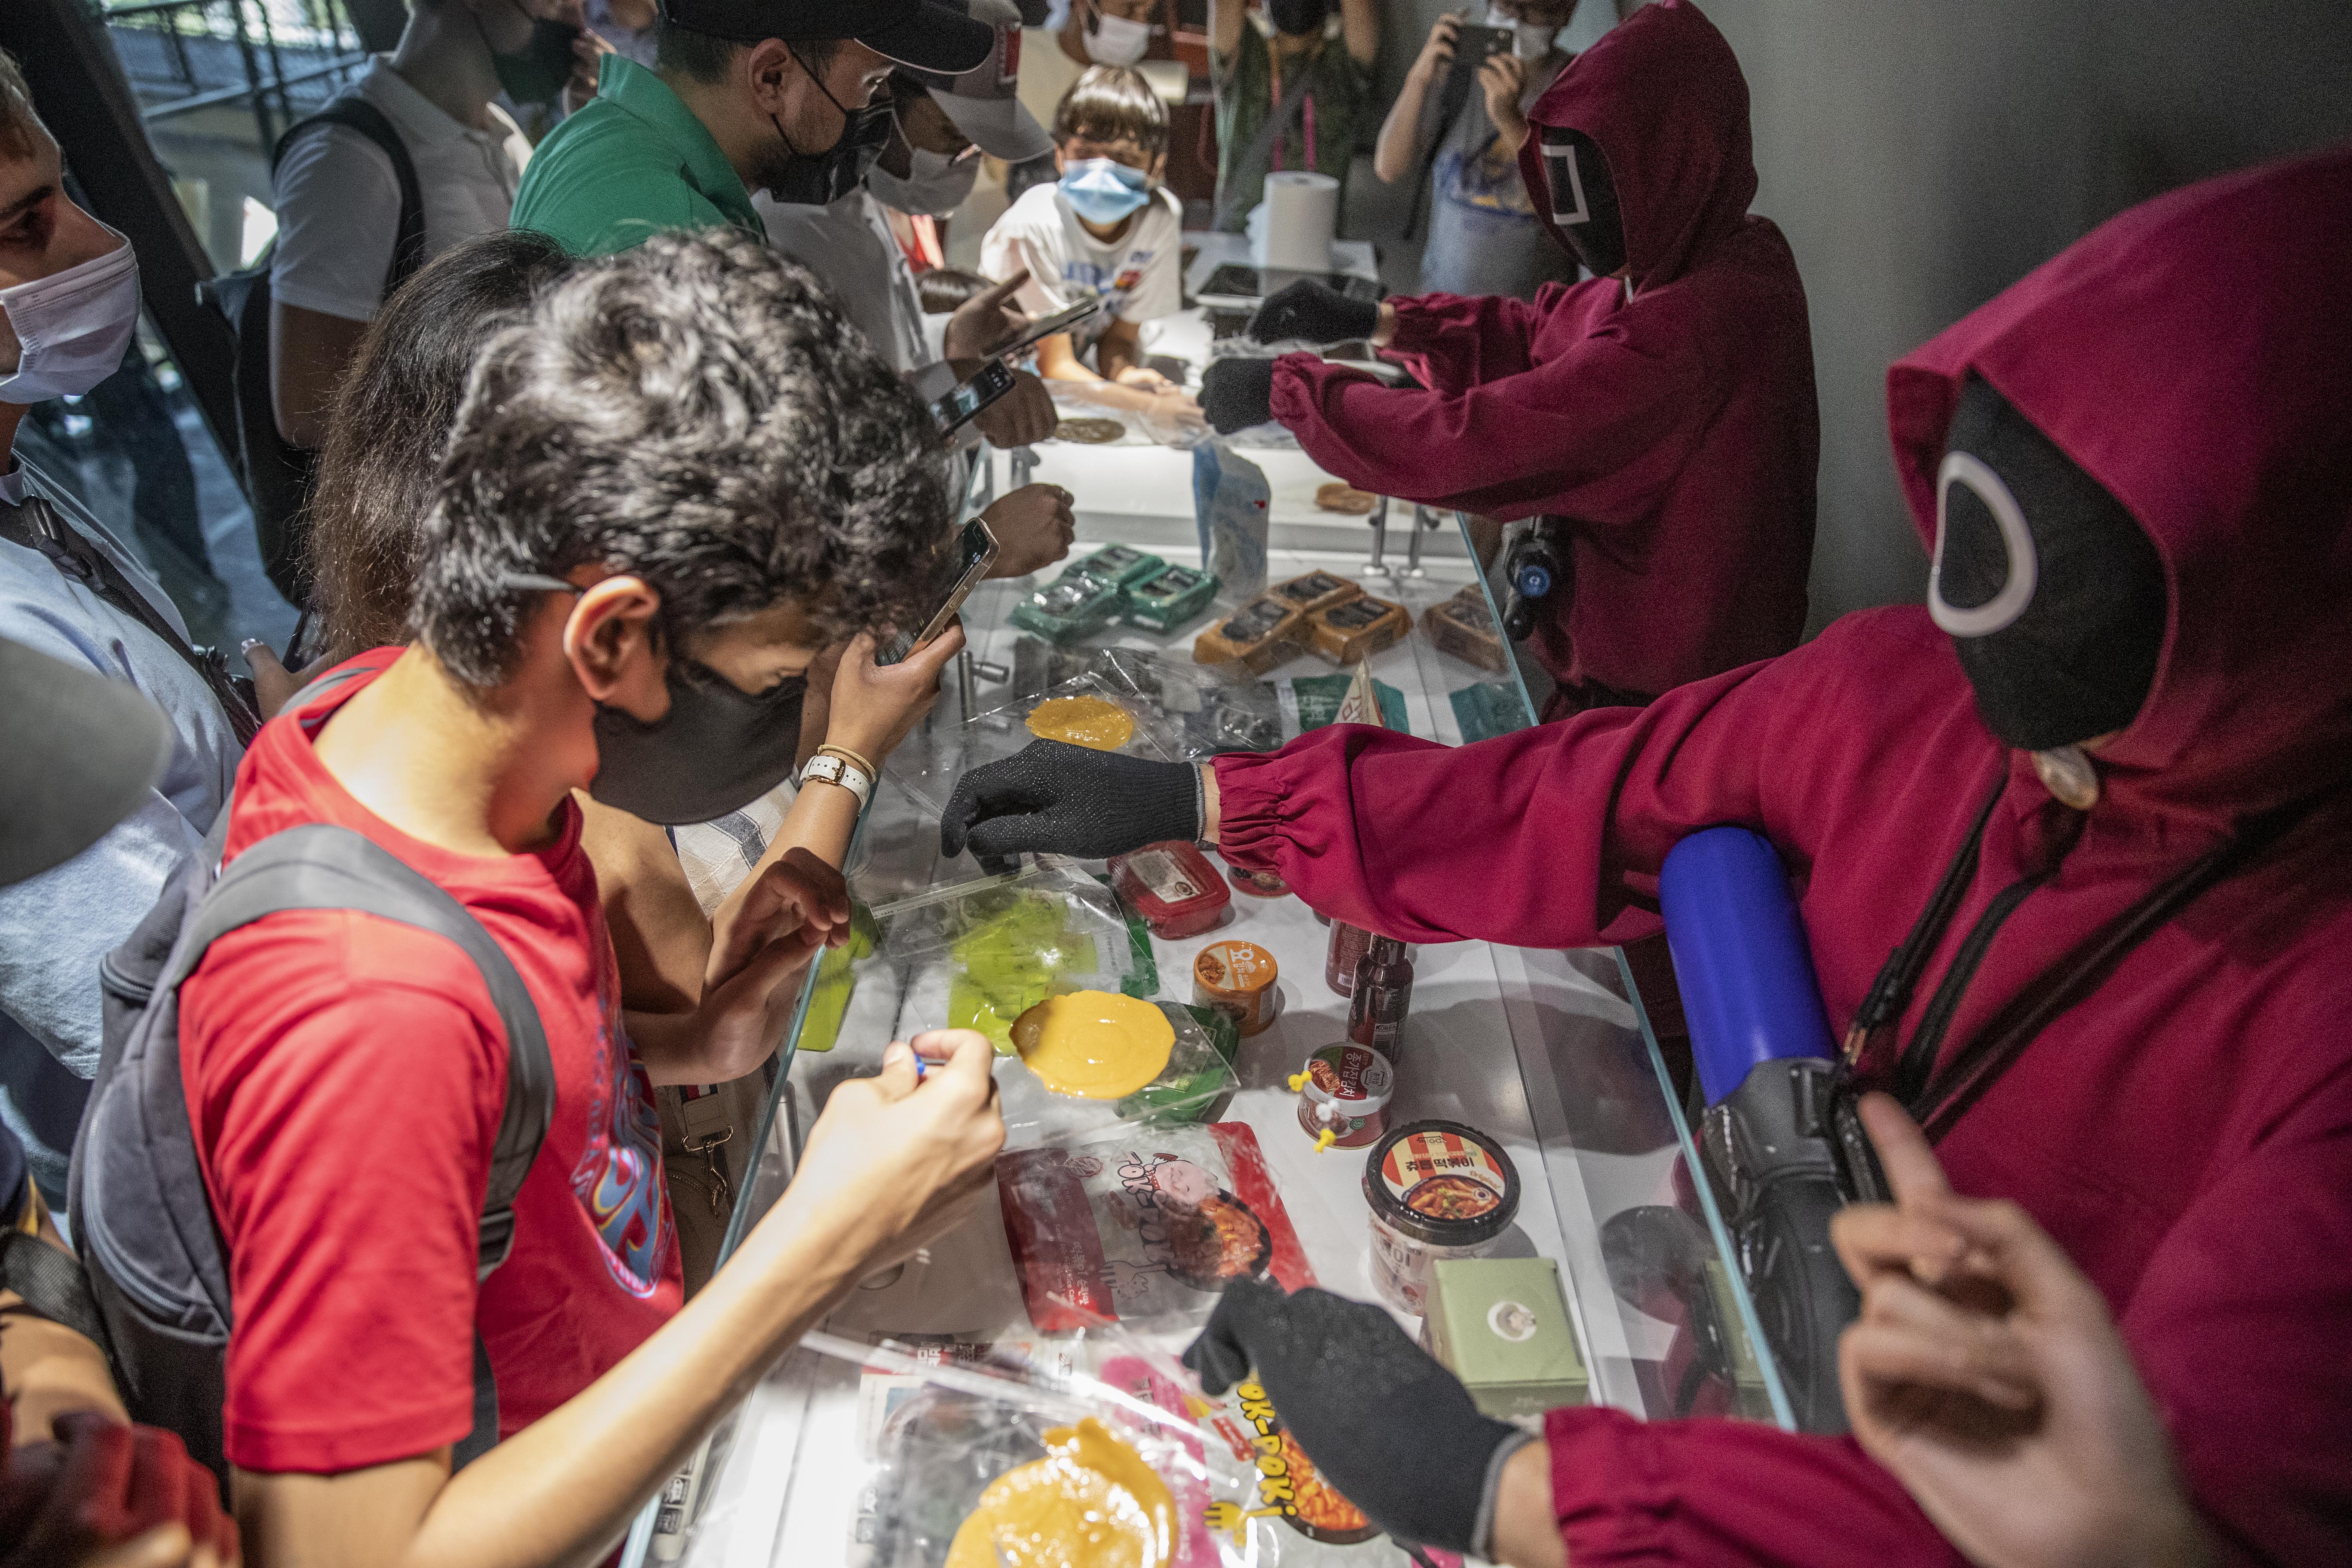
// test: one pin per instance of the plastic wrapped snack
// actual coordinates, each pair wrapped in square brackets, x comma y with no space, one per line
[1113,717]
[1071,605]
[1147,1230]
[984,954]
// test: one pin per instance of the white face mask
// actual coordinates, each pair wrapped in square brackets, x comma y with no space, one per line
[1116,41]
[74,326]
[935,183]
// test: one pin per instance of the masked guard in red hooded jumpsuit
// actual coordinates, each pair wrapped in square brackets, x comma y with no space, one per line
[2097,796]
[1659,417]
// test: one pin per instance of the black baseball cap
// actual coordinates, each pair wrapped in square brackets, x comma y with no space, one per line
[929,34]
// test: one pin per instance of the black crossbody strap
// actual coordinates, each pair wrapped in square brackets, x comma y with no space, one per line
[49,1283]
[1898,977]
[1262,144]
[36,525]
[1978,1065]
[359,115]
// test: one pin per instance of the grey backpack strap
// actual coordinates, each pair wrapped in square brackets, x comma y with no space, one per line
[320,866]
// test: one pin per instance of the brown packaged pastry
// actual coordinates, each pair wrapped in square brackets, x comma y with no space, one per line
[1461,626]
[1259,634]
[1351,632]
[1313,591]
[1341,497]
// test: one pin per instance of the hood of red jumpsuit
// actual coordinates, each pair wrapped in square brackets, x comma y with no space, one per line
[1662,96]
[2194,355]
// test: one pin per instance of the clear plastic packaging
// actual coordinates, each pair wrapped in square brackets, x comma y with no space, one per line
[928,761]
[977,955]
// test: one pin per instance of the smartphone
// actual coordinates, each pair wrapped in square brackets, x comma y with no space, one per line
[976,552]
[1473,47]
[1046,326]
[989,382]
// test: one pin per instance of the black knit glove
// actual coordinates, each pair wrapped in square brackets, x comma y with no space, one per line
[1394,1431]
[1310,313]
[1236,394]
[1052,798]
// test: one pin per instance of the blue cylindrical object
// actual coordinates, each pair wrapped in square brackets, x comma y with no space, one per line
[1740,957]
[1534,580]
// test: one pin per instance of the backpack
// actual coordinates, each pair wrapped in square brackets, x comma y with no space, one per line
[277,476]
[135,1195]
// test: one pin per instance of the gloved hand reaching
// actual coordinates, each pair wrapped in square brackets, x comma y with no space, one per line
[1394,1431]
[1236,394]
[1310,313]
[1055,798]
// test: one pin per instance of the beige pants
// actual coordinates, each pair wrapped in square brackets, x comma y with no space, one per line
[706,1155]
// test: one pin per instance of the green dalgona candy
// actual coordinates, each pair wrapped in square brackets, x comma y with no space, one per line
[829,1000]
[1009,963]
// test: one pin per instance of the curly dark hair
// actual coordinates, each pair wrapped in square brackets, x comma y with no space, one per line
[391,419]
[699,412]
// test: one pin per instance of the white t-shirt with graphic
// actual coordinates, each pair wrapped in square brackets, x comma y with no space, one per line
[1140,275]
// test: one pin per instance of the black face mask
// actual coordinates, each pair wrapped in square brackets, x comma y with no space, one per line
[539,72]
[1584,200]
[718,749]
[2051,592]
[1298,19]
[820,179]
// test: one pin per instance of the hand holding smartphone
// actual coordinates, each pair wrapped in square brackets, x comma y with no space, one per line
[976,552]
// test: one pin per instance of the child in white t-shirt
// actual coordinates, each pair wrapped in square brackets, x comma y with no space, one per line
[1105,227]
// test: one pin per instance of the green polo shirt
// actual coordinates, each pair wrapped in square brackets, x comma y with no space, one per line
[633,163]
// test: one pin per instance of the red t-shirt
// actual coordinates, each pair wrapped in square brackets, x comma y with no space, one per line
[346,1077]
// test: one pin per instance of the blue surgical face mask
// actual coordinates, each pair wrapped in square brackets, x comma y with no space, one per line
[1104,190]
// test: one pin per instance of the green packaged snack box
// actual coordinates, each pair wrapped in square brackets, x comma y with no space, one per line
[1168,599]
[1121,564]
[1075,603]
[1501,1325]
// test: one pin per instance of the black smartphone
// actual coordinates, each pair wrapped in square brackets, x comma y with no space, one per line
[989,382]
[1473,47]
[976,552]
[1039,327]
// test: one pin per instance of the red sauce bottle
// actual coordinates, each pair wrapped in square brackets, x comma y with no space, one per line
[1381,997]
[1349,945]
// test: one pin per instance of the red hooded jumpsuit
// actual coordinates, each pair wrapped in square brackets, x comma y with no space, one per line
[2185,1132]
[1675,430]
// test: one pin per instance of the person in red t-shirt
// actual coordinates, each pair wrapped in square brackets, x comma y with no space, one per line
[657,507]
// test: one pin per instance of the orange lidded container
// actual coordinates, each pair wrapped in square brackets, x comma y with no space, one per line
[1237,978]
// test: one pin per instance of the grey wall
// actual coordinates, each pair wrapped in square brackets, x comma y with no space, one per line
[1923,154]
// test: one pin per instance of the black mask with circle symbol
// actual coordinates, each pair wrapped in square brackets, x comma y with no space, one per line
[2053,593]
[1584,200]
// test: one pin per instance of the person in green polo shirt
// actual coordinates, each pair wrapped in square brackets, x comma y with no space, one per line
[775,95]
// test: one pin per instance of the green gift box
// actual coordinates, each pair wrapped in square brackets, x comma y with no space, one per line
[1500,1324]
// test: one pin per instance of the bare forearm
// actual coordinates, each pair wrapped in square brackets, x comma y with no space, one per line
[47,1369]
[1393,156]
[1118,350]
[1226,19]
[1360,30]
[1525,1532]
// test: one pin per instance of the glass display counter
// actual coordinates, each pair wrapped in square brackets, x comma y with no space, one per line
[1548,1054]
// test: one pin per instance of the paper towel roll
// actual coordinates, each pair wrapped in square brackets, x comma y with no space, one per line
[1302,211]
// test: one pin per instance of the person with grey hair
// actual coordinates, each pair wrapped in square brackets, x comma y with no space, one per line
[666,490]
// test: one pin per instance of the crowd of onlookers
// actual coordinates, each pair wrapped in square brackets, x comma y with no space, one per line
[601,346]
